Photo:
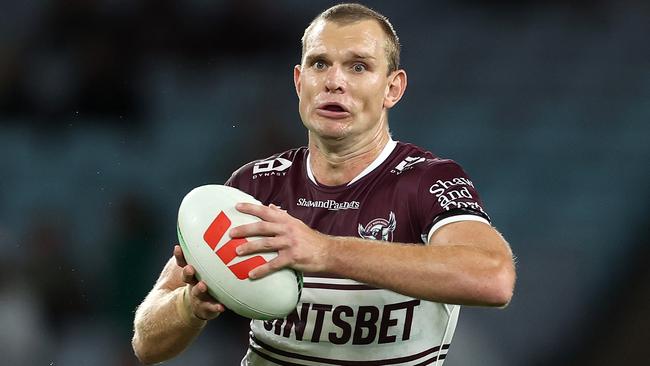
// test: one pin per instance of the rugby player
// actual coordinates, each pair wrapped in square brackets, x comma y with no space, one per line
[391,239]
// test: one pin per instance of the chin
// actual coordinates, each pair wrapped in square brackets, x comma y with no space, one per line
[329,128]
[329,135]
[335,132]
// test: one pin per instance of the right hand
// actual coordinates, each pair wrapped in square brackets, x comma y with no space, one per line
[201,303]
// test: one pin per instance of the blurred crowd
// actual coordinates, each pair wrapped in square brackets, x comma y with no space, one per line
[111,111]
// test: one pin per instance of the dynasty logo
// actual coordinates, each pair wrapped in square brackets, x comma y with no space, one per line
[406,164]
[266,168]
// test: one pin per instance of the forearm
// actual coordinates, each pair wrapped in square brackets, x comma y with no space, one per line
[164,326]
[465,262]
[456,274]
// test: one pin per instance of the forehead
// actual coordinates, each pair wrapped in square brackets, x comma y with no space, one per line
[364,36]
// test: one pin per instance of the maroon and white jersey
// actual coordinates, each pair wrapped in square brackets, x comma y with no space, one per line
[403,196]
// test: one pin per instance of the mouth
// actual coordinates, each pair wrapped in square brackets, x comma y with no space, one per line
[332,110]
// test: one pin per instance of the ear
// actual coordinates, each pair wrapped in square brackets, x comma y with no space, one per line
[296,78]
[395,88]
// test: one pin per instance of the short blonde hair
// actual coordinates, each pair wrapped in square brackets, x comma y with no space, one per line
[344,14]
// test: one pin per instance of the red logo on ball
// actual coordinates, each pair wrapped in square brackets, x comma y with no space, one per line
[226,253]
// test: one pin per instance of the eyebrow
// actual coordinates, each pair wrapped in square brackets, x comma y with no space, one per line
[361,56]
[310,59]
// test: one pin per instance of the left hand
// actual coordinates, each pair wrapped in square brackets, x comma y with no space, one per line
[298,246]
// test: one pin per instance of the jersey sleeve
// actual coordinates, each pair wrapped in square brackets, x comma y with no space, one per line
[237,179]
[264,179]
[446,194]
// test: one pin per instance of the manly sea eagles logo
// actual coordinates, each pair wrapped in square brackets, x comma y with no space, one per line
[379,229]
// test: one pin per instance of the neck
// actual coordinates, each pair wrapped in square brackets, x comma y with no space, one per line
[338,162]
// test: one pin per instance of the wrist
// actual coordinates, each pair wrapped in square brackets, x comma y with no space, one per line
[331,249]
[184,309]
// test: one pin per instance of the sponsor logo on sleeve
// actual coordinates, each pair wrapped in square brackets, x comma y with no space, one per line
[267,168]
[331,205]
[379,228]
[406,164]
[454,193]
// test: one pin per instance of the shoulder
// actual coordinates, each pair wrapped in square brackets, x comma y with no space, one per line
[422,163]
[432,175]
[264,174]
[275,163]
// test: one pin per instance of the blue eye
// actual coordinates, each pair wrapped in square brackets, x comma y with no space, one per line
[359,68]
[319,65]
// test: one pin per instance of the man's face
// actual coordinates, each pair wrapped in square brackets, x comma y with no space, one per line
[342,83]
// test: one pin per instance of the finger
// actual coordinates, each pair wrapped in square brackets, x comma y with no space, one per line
[206,306]
[209,311]
[267,244]
[273,265]
[178,255]
[189,275]
[261,228]
[217,308]
[263,212]
[277,208]
[200,291]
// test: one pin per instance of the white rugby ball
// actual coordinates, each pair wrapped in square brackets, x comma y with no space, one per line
[205,217]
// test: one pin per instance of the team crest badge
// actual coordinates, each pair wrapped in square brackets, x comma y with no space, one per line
[379,228]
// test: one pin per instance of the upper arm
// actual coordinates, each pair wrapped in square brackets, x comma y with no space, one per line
[487,261]
[474,233]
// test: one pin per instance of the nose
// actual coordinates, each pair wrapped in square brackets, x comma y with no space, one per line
[335,80]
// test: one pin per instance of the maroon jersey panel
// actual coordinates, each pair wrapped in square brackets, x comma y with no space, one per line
[398,201]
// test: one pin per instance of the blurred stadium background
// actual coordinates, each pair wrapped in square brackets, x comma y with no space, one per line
[110,111]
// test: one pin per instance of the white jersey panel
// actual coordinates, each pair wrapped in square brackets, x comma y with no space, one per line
[329,330]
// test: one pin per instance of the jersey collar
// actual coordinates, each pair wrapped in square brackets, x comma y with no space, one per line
[387,150]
